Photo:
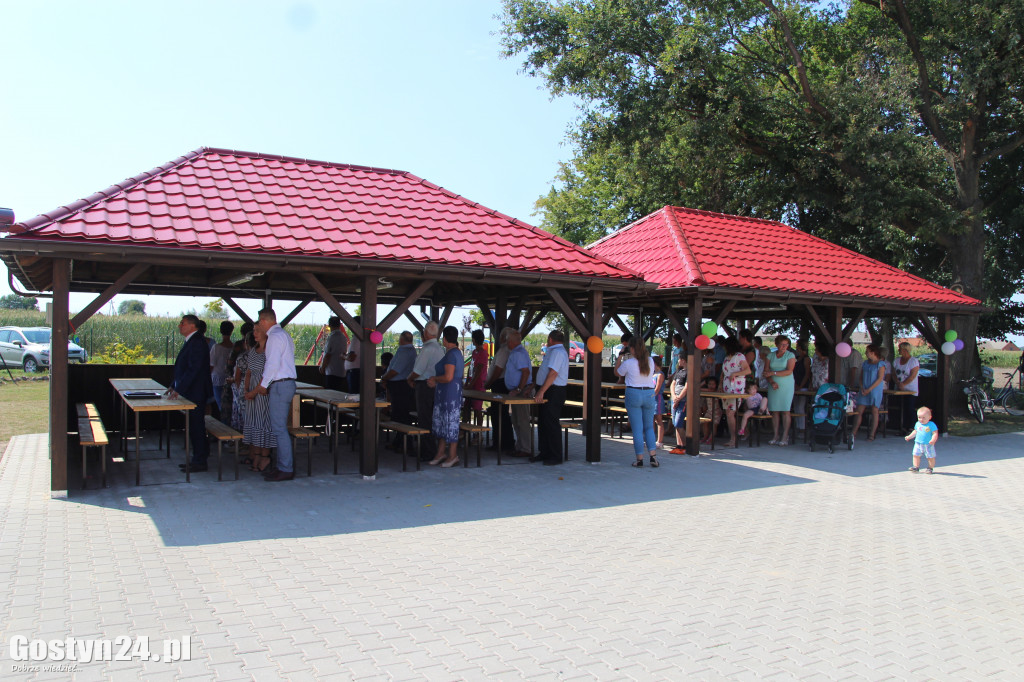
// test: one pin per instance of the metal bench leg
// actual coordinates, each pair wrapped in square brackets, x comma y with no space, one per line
[220,459]
[419,449]
[236,459]
[103,461]
[85,452]
[479,446]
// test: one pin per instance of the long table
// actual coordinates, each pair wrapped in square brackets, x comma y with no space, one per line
[501,399]
[125,388]
[335,401]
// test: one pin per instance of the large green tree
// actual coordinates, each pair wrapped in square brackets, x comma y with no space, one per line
[894,127]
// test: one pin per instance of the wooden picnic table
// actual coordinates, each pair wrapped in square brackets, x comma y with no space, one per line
[898,392]
[336,401]
[501,399]
[138,396]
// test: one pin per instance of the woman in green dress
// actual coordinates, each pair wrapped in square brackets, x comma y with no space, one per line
[779,374]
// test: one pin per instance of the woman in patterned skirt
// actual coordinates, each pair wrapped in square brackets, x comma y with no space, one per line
[258,433]
[447,385]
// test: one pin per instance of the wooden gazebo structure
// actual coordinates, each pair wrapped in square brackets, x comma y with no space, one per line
[239,225]
[747,272]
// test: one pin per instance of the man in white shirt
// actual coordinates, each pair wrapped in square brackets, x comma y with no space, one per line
[423,369]
[552,379]
[279,385]
[332,364]
[352,373]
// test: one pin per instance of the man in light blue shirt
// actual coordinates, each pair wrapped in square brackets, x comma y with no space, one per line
[518,372]
[552,378]
[400,394]
[423,369]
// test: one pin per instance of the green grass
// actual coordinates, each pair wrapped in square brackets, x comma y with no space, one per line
[25,407]
[995,422]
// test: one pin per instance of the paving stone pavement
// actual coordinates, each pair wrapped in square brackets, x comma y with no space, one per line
[765,563]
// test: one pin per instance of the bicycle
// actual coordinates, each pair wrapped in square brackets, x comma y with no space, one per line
[1011,399]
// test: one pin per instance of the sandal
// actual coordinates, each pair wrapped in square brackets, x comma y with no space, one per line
[654,463]
[639,462]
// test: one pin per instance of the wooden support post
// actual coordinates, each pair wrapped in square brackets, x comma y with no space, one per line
[592,380]
[295,311]
[368,381]
[334,305]
[443,322]
[836,330]
[942,367]
[238,310]
[693,358]
[415,321]
[60,467]
[403,307]
[566,309]
[109,293]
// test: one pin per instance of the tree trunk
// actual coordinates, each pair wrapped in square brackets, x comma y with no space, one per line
[967,260]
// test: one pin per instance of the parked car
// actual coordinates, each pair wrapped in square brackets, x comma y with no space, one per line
[29,348]
[929,365]
[576,351]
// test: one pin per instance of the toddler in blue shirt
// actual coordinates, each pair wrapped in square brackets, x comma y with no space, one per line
[925,434]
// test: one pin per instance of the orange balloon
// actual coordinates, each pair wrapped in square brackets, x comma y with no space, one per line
[595,344]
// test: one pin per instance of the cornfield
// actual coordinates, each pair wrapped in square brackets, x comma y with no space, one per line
[158,336]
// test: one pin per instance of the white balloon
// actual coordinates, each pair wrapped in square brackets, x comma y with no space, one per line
[711,343]
[948,348]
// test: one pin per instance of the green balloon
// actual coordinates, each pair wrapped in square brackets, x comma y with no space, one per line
[709,328]
[951,336]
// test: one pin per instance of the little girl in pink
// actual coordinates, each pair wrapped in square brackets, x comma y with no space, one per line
[756,404]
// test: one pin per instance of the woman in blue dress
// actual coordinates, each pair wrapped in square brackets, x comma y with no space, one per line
[872,382]
[447,385]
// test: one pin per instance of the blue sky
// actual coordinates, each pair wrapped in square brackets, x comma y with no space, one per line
[95,92]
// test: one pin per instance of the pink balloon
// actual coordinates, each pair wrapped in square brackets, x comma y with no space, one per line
[843,349]
[376,336]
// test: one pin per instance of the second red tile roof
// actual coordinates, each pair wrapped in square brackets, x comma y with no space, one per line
[681,247]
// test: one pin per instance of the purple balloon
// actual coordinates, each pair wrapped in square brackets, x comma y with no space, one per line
[959,344]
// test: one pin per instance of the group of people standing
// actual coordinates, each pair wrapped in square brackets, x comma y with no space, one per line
[741,365]
[431,382]
[250,383]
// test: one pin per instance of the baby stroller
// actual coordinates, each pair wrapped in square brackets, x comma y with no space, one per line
[828,417]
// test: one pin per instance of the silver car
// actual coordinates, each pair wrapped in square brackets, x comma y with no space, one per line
[29,348]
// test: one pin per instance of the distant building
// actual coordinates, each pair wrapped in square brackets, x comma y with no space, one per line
[915,342]
[999,345]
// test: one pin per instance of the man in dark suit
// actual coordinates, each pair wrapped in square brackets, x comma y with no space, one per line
[192,381]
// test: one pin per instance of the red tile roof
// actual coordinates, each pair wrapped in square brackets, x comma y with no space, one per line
[682,247]
[244,202]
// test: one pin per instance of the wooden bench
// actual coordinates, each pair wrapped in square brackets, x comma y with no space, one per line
[308,434]
[616,415]
[92,434]
[754,425]
[222,432]
[567,424]
[468,430]
[407,430]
